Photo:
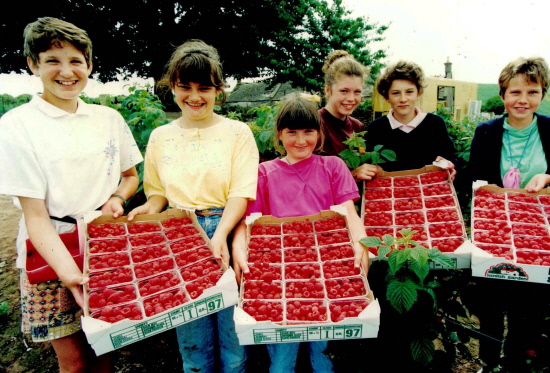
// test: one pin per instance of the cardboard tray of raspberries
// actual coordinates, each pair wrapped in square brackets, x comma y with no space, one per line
[511,233]
[150,275]
[302,284]
[423,200]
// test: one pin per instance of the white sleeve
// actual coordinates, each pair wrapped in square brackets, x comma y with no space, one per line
[22,174]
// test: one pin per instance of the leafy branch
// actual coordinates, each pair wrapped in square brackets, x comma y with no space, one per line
[408,268]
[356,155]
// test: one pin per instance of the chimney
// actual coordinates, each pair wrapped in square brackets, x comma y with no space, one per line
[448,69]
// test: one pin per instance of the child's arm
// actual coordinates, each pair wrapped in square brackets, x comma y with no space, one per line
[48,244]
[154,204]
[366,172]
[537,183]
[239,250]
[128,185]
[357,231]
[232,214]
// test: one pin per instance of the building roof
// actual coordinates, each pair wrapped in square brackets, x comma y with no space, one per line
[259,92]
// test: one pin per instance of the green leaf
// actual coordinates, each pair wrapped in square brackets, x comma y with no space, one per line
[440,258]
[402,295]
[383,251]
[375,158]
[402,256]
[371,241]
[420,270]
[388,239]
[378,147]
[423,350]
[346,154]
[389,155]
[365,158]
[354,162]
[434,298]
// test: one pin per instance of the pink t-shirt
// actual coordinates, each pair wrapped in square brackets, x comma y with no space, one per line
[282,193]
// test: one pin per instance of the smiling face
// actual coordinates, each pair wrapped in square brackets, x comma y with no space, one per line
[64,74]
[344,96]
[402,97]
[299,144]
[196,101]
[521,99]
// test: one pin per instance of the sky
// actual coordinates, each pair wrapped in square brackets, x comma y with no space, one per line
[479,37]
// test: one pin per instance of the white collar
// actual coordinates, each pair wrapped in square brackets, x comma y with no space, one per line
[394,123]
[54,111]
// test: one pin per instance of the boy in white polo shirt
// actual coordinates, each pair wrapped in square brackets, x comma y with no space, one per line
[59,158]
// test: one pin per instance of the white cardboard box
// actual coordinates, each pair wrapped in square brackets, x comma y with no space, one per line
[105,337]
[461,257]
[365,325]
[484,264]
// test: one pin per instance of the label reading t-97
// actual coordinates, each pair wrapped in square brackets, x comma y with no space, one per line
[307,333]
[161,323]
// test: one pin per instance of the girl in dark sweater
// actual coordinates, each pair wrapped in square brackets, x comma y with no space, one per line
[417,138]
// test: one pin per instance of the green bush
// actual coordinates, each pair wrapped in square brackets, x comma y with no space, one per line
[493,105]
[8,102]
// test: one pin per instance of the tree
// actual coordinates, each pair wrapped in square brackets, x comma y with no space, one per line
[285,40]
[299,57]
[494,104]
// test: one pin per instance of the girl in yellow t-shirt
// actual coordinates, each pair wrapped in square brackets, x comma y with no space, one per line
[208,163]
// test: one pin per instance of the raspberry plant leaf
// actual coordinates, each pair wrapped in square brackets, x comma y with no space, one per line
[421,270]
[388,240]
[422,350]
[402,294]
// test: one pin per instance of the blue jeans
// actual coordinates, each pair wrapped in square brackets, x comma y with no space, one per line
[198,339]
[283,357]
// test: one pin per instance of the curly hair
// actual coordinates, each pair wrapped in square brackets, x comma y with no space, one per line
[402,70]
[534,69]
[194,61]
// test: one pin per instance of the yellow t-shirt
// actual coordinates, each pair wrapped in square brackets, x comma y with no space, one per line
[201,168]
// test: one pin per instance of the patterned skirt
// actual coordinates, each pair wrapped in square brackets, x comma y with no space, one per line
[49,310]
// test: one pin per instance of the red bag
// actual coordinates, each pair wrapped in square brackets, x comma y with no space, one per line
[38,270]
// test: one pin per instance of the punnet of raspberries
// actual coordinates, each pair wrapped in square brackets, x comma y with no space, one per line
[296,227]
[175,222]
[143,227]
[106,230]
[108,245]
[164,301]
[266,230]
[329,224]
[197,287]
[111,296]
[113,314]
[342,309]
[186,243]
[110,277]
[158,283]
[306,310]
[264,310]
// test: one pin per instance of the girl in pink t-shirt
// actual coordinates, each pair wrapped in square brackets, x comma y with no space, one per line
[301,183]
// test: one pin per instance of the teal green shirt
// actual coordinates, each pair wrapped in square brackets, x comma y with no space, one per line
[533,161]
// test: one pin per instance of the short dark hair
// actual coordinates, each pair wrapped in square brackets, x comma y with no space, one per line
[46,32]
[402,70]
[297,112]
[194,61]
[534,69]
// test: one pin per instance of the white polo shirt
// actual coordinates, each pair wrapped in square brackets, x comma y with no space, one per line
[72,161]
